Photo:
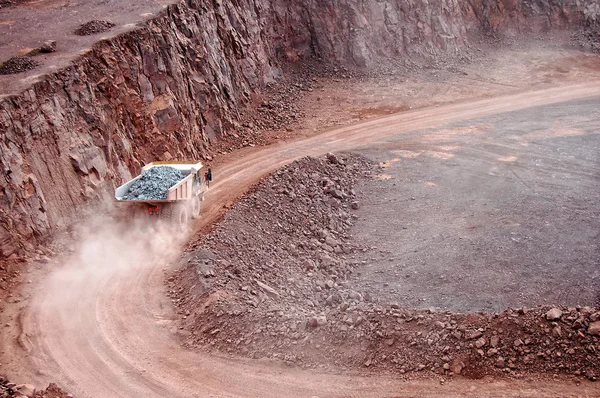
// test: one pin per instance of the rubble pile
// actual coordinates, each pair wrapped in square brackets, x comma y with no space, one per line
[154,184]
[8,3]
[279,113]
[93,27]
[588,39]
[8,389]
[21,63]
[275,279]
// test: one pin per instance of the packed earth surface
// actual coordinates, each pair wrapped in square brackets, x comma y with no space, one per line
[404,199]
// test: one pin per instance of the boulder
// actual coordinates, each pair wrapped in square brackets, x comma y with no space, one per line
[594,328]
[553,314]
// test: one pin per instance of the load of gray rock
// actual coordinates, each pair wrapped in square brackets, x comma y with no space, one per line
[154,184]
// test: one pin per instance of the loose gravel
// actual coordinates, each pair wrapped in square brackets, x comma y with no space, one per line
[274,279]
[154,184]
[93,27]
[17,65]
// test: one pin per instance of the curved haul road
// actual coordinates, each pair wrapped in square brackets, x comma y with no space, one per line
[101,326]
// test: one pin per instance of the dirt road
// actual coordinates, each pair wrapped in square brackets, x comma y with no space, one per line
[101,326]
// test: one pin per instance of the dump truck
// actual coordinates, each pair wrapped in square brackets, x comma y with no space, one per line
[177,204]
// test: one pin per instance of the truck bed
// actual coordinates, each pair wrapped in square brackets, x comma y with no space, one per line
[183,190]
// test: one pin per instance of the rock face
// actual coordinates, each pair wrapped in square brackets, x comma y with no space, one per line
[172,88]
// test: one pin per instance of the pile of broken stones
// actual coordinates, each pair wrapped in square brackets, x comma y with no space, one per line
[8,389]
[274,279]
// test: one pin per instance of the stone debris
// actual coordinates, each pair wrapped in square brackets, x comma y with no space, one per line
[18,64]
[282,288]
[154,184]
[8,3]
[588,39]
[93,27]
[49,46]
[554,314]
[8,389]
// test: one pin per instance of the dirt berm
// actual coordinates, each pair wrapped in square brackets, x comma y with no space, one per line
[282,288]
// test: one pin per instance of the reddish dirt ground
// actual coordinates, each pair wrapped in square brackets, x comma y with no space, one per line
[26,26]
[101,325]
[111,332]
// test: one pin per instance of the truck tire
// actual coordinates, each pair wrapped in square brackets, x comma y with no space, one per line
[195,207]
[176,214]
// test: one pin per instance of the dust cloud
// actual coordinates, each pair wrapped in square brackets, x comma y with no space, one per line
[108,248]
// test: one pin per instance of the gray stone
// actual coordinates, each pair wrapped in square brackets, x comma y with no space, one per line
[268,289]
[336,193]
[554,314]
[49,46]
[331,241]
[557,331]
[25,389]
[154,184]
[500,362]
[457,366]
[332,158]
[494,340]
[473,334]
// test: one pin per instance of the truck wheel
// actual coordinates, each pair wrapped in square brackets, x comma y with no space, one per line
[195,207]
[181,217]
[176,215]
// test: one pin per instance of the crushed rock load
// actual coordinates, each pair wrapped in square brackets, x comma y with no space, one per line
[273,280]
[154,184]
[8,389]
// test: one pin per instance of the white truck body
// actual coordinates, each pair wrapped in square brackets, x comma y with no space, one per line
[183,190]
[183,198]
